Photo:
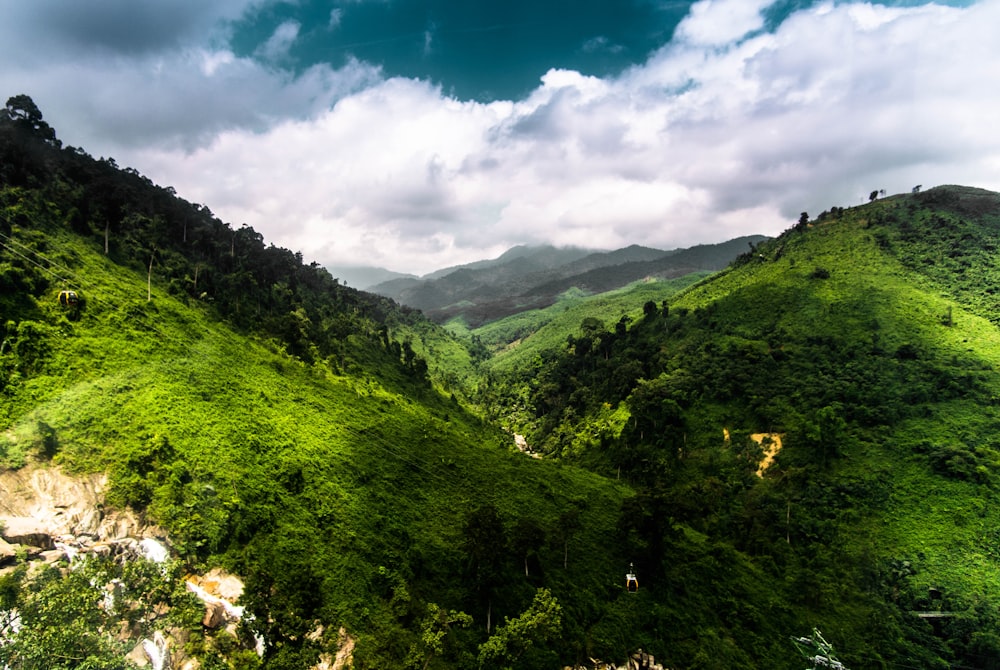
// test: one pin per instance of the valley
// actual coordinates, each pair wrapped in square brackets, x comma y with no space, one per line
[800,438]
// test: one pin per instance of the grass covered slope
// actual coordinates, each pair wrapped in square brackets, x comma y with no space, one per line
[271,422]
[335,494]
[516,340]
[861,344]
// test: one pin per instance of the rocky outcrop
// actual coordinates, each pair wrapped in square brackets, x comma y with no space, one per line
[344,658]
[640,660]
[27,531]
[45,509]
[50,515]
[219,591]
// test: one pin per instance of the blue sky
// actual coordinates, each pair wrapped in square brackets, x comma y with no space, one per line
[473,50]
[418,134]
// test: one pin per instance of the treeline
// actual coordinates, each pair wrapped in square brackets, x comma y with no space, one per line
[181,246]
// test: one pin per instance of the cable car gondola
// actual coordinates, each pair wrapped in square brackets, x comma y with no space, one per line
[631,581]
[68,298]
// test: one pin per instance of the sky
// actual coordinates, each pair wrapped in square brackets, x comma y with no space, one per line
[420,134]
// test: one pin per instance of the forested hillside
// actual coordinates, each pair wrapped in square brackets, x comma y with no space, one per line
[805,440]
[272,423]
[860,351]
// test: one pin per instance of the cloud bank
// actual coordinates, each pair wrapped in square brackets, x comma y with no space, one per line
[728,129]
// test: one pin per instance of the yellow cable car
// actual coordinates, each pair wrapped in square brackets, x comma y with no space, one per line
[68,298]
[631,581]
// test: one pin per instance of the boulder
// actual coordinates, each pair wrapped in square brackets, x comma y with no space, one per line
[117,527]
[215,615]
[345,651]
[29,531]
[7,553]
[217,590]
[220,583]
[53,556]
[138,656]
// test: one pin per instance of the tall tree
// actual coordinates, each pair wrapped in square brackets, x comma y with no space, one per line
[22,112]
[527,538]
[485,542]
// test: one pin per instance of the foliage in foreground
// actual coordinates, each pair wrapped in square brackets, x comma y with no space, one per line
[92,615]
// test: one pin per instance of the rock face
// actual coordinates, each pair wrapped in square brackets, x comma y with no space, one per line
[7,552]
[49,515]
[219,591]
[639,660]
[45,509]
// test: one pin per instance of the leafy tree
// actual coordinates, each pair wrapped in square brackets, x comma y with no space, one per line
[22,112]
[434,630]
[71,620]
[540,623]
[528,536]
[826,432]
[569,524]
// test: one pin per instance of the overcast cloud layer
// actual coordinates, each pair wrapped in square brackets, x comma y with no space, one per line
[734,126]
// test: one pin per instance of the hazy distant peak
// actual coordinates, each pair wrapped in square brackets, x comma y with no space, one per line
[364,277]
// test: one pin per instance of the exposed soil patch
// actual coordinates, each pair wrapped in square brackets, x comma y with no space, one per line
[771,443]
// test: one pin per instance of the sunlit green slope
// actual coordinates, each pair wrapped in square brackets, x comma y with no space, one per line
[516,340]
[864,342]
[329,491]
[275,423]
[310,438]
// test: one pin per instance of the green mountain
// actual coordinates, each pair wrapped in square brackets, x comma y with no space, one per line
[803,441]
[267,418]
[861,349]
[532,278]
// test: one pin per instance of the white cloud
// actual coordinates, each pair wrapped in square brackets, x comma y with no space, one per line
[721,22]
[698,145]
[728,131]
[179,99]
[277,46]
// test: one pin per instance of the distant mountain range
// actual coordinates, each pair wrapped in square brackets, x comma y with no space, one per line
[363,276]
[533,277]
